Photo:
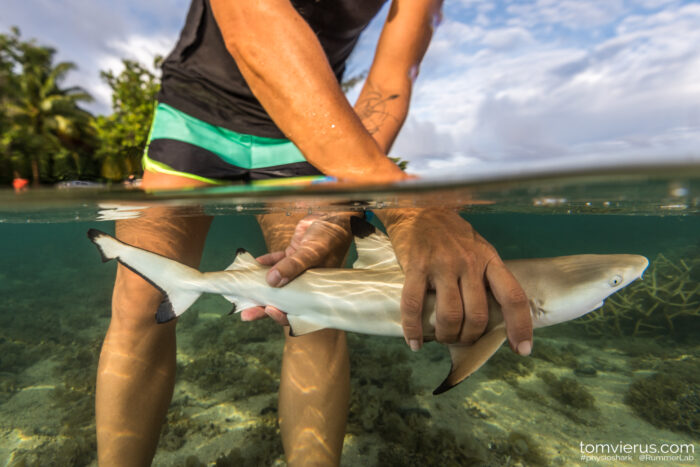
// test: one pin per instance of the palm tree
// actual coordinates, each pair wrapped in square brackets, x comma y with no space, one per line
[45,118]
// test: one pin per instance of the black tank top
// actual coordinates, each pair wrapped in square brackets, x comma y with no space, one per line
[201,78]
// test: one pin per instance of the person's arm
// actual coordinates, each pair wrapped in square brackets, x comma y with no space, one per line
[383,102]
[435,247]
[285,66]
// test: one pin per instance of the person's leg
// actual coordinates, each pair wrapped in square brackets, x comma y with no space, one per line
[136,371]
[315,379]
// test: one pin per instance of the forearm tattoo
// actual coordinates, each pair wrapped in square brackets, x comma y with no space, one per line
[372,108]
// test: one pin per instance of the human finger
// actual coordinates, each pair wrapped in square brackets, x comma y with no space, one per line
[270,259]
[254,313]
[278,316]
[291,266]
[412,297]
[449,311]
[515,306]
[476,309]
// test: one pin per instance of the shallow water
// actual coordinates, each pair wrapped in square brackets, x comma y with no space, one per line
[627,374]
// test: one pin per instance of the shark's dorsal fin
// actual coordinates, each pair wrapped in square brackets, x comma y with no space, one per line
[466,359]
[244,260]
[374,249]
[298,326]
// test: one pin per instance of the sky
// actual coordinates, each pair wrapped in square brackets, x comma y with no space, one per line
[506,85]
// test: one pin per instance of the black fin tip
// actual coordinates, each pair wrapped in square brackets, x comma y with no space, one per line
[165,311]
[93,235]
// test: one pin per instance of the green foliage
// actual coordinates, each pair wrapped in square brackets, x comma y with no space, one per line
[123,134]
[351,82]
[45,133]
[41,121]
[400,162]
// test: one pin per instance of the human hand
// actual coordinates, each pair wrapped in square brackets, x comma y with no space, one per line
[317,241]
[438,249]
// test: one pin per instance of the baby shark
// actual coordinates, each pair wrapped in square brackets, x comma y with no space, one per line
[366,299]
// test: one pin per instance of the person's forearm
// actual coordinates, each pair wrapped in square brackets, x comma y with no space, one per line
[383,110]
[285,67]
[383,102]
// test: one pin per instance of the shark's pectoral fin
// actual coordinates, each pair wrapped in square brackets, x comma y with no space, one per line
[298,326]
[240,303]
[466,359]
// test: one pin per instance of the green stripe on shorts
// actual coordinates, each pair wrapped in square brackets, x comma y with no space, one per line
[245,151]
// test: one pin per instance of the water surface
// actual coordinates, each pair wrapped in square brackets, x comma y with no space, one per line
[626,374]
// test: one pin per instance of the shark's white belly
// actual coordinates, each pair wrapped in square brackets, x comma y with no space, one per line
[368,302]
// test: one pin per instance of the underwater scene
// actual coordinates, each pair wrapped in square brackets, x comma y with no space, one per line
[619,386]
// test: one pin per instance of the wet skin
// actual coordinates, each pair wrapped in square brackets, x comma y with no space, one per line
[136,371]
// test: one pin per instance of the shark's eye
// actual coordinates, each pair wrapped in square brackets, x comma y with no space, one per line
[615,280]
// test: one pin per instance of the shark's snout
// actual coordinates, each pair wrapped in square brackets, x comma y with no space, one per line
[643,265]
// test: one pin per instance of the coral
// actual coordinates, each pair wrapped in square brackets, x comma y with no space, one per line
[563,358]
[568,391]
[568,397]
[520,447]
[191,461]
[508,366]
[669,398]
[262,446]
[430,447]
[240,375]
[60,452]
[179,425]
[229,356]
[666,301]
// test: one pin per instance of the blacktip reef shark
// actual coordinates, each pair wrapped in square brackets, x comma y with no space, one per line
[366,298]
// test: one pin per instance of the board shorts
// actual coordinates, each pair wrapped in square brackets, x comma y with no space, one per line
[179,144]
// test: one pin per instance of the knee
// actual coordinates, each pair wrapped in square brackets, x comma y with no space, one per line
[134,301]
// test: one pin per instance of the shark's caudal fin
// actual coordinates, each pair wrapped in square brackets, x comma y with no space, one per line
[173,279]
[466,359]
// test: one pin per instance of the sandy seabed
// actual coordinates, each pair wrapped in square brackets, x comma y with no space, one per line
[539,410]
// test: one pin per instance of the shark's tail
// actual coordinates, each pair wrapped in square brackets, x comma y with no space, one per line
[177,282]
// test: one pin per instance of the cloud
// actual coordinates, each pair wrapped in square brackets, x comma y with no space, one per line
[633,93]
[530,82]
[96,34]
[572,14]
[140,48]
[507,38]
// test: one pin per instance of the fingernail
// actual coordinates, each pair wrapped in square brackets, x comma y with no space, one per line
[524,348]
[414,344]
[274,278]
[244,317]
